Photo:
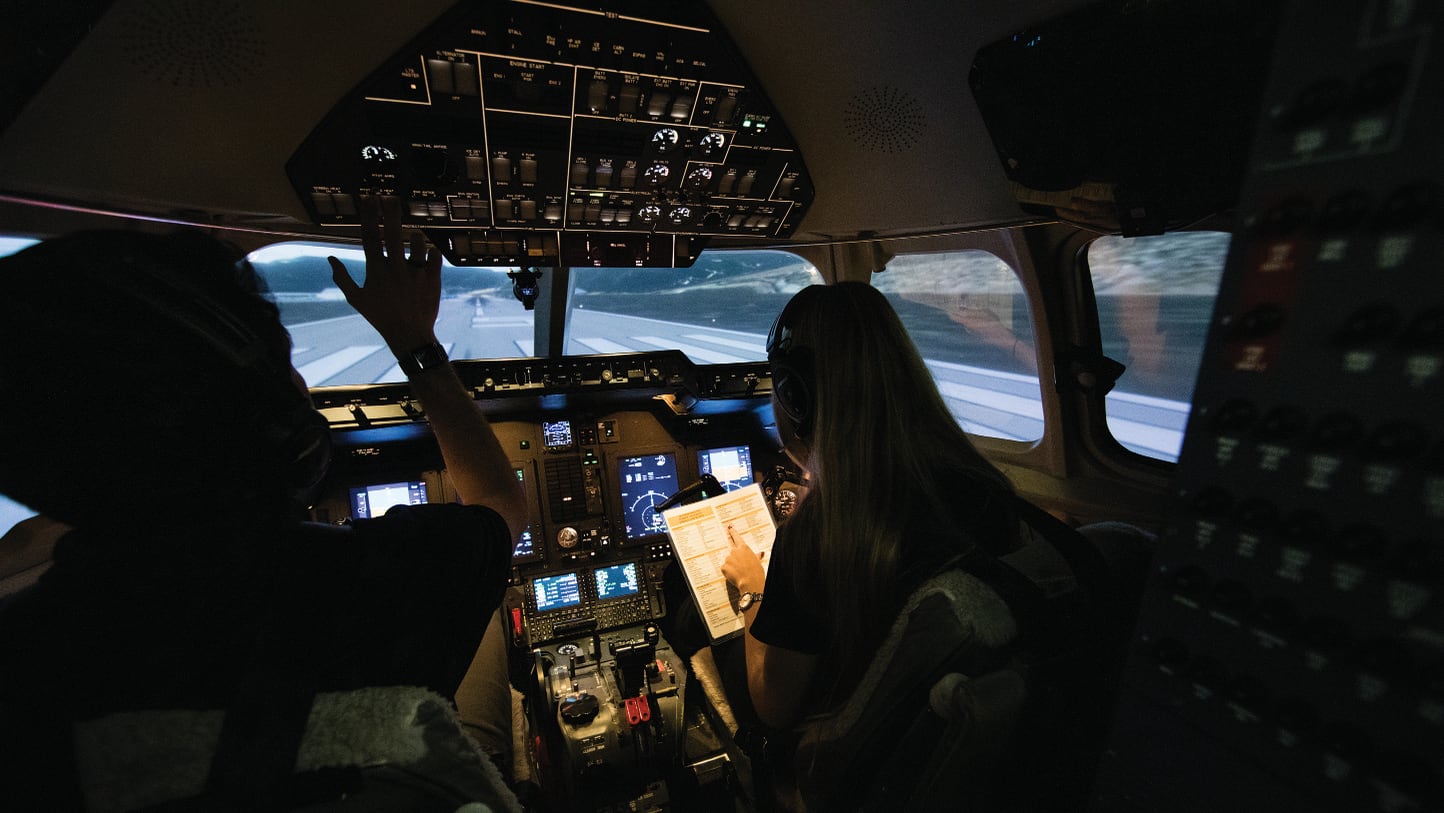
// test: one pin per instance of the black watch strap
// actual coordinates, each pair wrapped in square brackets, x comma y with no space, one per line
[426,357]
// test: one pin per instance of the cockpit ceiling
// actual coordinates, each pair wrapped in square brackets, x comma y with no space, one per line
[191,109]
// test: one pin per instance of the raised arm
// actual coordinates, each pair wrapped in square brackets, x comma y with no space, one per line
[401,298]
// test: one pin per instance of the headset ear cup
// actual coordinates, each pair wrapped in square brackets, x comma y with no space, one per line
[311,457]
[308,451]
[791,383]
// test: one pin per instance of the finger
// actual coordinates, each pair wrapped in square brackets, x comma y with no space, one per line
[732,537]
[418,257]
[341,275]
[391,233]
[370,213]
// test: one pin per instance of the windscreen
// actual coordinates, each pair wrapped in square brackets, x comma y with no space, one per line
[332,345]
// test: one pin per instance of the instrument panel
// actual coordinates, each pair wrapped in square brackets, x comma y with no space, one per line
[596,463]
[538,134]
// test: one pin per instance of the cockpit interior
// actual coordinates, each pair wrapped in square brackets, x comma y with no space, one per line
[1174,267]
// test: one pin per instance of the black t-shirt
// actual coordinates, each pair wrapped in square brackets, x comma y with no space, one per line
[178,622]
[790,620]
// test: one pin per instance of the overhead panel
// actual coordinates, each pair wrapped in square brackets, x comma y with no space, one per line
[524,133]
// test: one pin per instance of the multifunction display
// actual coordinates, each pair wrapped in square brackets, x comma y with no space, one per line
[731,465]
[644,483]
[375,500]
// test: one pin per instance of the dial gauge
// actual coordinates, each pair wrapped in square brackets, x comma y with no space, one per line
[377,154]
[699,177]
[656,174]
[666,139]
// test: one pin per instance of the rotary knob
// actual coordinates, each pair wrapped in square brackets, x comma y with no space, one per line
[567,537]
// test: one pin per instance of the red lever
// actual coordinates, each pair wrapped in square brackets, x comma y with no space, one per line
[638,710]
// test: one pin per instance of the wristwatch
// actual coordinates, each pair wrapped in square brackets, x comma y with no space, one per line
[747,600]
[426,357]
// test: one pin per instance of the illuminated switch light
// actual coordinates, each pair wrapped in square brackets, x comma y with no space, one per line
[553,212]
[726,107]
[629,97]
[682,108]
[436,208]
[503,209]
[736,220]
[624,216]
[604,175]
[417,208]
[501,169]
[658,103]
[784,189]
[609,215]
[472,209]
[443,81]
[528,210]
[597,95]
[579,174]
[466,81]
[528,170]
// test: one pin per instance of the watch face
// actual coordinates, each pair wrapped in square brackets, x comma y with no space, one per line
[747,600]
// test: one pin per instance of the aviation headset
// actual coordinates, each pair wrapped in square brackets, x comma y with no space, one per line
[287,421]
[793,371]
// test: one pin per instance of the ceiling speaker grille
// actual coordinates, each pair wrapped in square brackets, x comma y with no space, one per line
[885,119]
[193,43]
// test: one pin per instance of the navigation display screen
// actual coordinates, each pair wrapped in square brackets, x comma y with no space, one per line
[731,465]
[557,434]
[616,581]
[646,481]
[376,500]
[556,592]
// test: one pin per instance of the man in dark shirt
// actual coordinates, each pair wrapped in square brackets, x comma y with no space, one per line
[194,640]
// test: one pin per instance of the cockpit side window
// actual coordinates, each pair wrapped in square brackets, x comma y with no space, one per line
[1155,298]
[332,345]
[968,314]
[12,512]
[717,312]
